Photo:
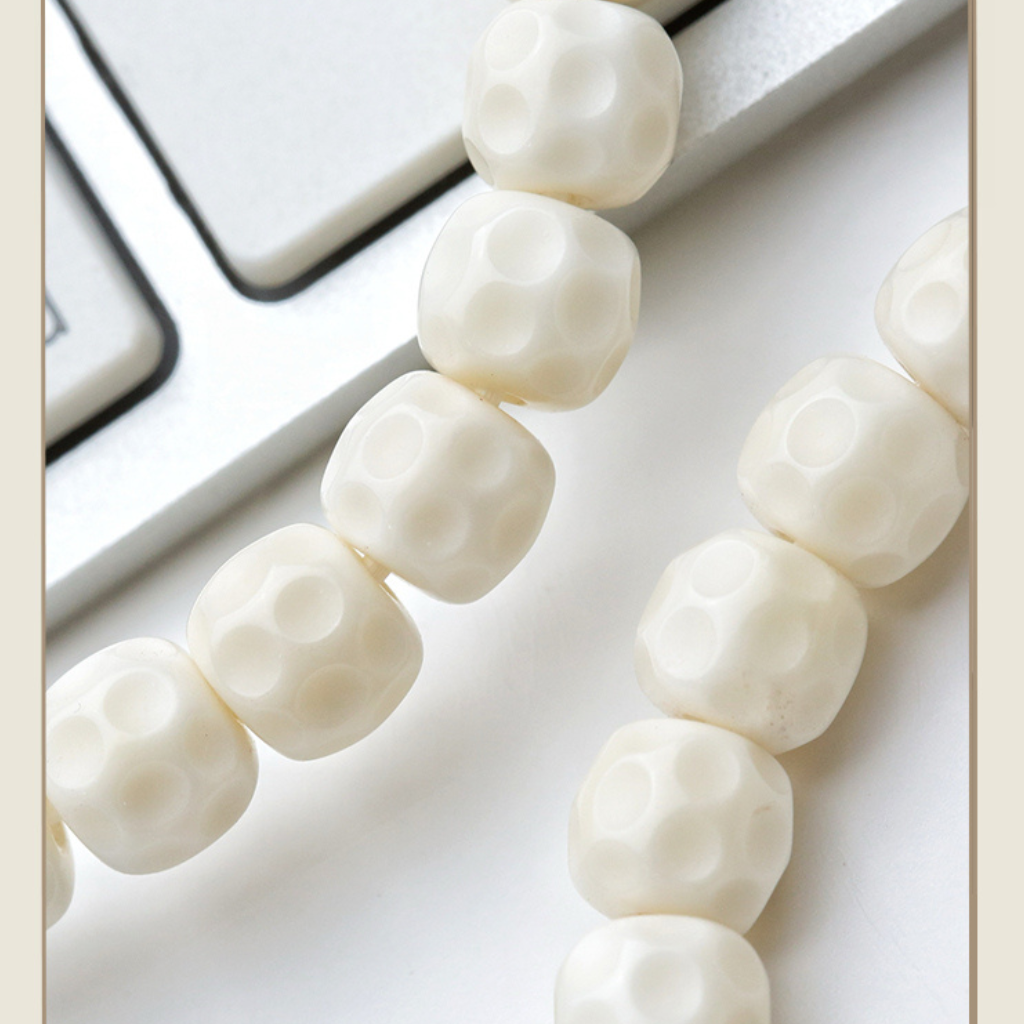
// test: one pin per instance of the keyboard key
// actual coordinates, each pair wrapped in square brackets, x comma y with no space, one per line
[292,127]
[102,337]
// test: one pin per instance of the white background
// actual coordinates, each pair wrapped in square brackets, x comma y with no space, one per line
[421,875]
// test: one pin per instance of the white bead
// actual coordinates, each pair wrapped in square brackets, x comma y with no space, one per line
[302,643]
[60,868]
[855,463]
[681,818]
[754,634]
[661,969]
[438,485]
[530,299]
[923,312]
[144,763]
[575,99]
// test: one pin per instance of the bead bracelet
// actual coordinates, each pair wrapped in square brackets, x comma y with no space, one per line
[526,298]
[682,945]
[684,826]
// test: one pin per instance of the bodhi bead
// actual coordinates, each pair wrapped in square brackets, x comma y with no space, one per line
[923,312]
[144,762]
[438,485]
[754,634]
[662,969]
[860,466]
[60,868]
[575,99]
[681,817]
[529,298]
[302,643]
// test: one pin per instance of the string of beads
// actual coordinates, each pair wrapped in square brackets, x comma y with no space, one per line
[527,298]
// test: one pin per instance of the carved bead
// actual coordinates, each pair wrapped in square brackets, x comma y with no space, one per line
[575,99]
[144,762]
[856,464]
[530,299]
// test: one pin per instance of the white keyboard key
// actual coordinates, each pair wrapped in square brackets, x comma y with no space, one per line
[292,127]
[102,337]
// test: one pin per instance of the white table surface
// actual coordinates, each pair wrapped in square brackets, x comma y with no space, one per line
[421,876]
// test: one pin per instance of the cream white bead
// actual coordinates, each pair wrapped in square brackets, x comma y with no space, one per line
[60,868]
[681,817]
[923,312]
[754,634]
[530,299]
[661,969]
[438,485]
[302,643]
[856,464]
[575,99]
[144,762]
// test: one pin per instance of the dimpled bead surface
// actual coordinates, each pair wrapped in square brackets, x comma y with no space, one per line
[923,312]
[754,634]
[529,298]
[681,818]
[302,643]
[60,868]
[662,969]
[860,466]
[575,99]
[438,485]
[144,762]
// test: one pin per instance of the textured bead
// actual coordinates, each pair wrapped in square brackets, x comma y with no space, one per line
[681,818]
[855,463]
[60,868]
[575,99]
[661,969]
[923,312]
[438,485]
[144,762]
[302,643]
[754,634]
[530,299]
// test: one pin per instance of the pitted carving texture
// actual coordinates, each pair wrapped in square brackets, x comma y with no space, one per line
[754,634]
[530,299]
[860,466]
[60,868]
[574,99]
[680,817]
[661,969]
[302,643]
[923,312]
[144,762]
[438,485]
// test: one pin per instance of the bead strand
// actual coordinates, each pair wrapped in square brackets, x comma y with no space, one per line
[526,298]
[753,642]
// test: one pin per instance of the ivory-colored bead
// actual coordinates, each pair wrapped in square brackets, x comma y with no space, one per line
[529,298]
[575,99]
[144,762]
[662,969]
[439,485]
[302,643]
[754,634]
[923,312]
[60,868]
[681,817]
[857,464]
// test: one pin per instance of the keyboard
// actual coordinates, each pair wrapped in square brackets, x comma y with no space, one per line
[241,195]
